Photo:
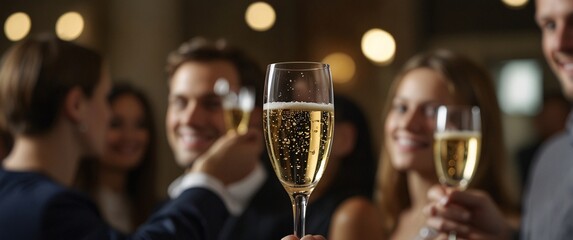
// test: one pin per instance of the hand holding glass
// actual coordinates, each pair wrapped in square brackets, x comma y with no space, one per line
[298,123]
[457,143]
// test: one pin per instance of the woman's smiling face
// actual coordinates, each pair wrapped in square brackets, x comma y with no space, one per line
[409,126]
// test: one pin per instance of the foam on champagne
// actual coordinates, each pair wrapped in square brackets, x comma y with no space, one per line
[329,107]
[457,134]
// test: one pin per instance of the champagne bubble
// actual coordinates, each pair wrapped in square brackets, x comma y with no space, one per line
[451,171]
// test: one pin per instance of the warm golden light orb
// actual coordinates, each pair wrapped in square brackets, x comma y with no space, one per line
[515,3]
[342,67]
[17,26]
[260,16]
[379,46]
[70,26]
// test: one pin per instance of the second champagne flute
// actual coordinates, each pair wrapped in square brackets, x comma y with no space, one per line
[298,123]
[457,144]
[238,108]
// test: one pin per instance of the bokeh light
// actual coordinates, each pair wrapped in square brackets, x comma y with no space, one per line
[342,67]
[515,3]
[70,26]
[17,26]
[379,46]
[260,16]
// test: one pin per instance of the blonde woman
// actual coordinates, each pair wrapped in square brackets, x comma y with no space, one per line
[406,168]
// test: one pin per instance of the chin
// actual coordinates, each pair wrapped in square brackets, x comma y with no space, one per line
[185,160]
[402,165]
[568,88]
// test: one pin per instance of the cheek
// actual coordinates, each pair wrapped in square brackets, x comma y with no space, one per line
[389,125]
[143,136]
[546,47]
[218,119]
[171,119]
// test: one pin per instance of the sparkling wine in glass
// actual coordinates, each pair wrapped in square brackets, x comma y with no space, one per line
[298,123]
[457,144]
[237,106]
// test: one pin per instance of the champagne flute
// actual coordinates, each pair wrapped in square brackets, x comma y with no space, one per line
[457,143]
[298,120]
[237,106]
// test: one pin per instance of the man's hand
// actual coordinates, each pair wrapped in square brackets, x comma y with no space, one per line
[232,157]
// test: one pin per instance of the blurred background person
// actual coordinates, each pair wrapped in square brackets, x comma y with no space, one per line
[122,180]
[195,119]
[406,168]
[351,166]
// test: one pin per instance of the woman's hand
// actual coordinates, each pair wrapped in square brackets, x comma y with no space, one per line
[472,214]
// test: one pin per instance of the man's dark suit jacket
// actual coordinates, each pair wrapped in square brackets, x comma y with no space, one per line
[32,206]
[269,215]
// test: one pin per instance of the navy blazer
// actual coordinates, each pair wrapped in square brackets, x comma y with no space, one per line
[269,214]
[33,206]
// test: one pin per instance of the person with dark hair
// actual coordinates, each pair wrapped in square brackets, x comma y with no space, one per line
[195,117]
[351,167]
[53,99]
[123,179]
[406,168]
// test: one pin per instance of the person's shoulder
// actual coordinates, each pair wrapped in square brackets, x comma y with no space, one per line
[32,184]
[357,204]
[555,147]
[357,216]
[558,141]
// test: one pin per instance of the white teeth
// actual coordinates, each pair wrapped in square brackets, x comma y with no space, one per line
[187,138]
[407,142]
[568,66]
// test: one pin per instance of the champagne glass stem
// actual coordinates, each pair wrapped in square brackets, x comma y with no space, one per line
[299,202]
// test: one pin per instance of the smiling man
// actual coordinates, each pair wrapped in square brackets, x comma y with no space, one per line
[548,203]
[195,122]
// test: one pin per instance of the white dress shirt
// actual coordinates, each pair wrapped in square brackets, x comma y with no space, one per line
[236,196]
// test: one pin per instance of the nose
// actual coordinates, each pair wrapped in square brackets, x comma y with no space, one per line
[564,38]
[192,116]
[414,121]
